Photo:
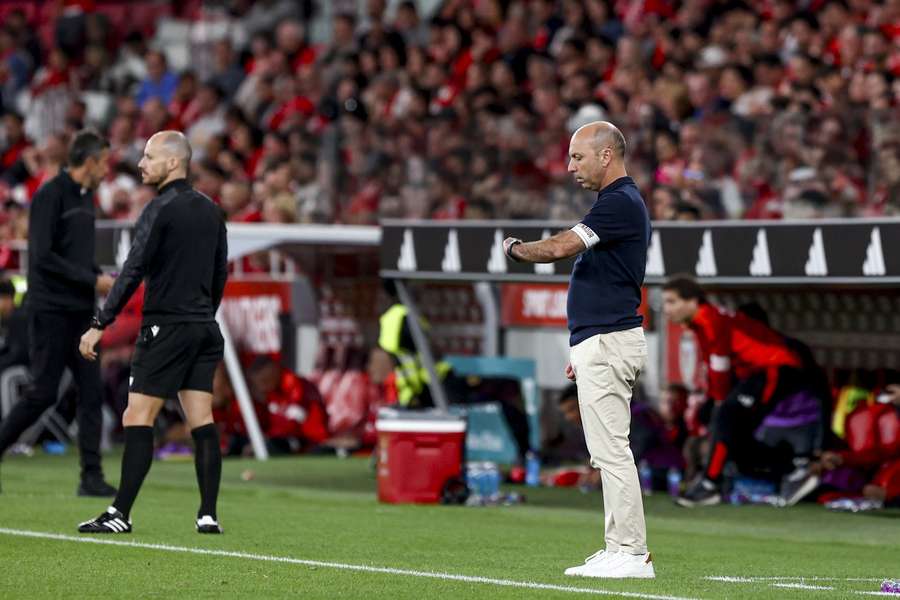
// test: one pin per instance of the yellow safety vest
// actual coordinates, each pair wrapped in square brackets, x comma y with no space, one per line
[410,376]
[20,282]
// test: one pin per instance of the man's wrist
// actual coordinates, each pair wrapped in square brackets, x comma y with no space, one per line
[96,324]
[510,252]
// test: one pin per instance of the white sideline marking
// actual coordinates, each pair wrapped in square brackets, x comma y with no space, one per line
[891,594]
[802,586]
[334,565]
[729,579]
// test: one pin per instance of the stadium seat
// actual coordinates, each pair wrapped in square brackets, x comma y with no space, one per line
[888,427]
[860,425]
[347,401]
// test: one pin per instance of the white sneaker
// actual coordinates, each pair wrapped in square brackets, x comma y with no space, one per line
[619,566]
[597,558]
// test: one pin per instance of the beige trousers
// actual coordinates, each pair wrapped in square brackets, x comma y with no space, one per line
[606,367]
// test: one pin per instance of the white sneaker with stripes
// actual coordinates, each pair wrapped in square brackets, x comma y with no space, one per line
[111,521]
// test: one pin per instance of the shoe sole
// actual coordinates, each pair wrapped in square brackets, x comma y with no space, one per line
[802,492]
[643,576]
[100,532]
[210,531]
[711,501]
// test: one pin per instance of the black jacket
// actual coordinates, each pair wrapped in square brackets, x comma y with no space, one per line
[180,248]
[62,274]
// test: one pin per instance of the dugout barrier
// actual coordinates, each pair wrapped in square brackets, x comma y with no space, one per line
[831,283]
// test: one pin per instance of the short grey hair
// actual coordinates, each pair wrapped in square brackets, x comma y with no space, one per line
[610,136]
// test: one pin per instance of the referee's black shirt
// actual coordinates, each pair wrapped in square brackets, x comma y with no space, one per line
[62,275]
[180,248]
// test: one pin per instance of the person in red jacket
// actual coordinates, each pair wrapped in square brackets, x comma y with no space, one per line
[288,407]
[749,368]
[296,419]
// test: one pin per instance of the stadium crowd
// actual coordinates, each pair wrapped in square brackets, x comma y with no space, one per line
[732,109]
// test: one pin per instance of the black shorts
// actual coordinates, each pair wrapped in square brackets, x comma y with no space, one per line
[180,356]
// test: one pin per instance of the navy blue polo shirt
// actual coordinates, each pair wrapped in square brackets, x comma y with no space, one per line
[605,288]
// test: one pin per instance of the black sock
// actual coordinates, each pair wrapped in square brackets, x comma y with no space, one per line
[135,464]
[208,462]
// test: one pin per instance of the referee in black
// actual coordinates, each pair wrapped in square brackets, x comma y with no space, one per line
[180,248]
[63,281]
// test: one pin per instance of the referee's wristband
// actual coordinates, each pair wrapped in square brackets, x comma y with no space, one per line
[96,324]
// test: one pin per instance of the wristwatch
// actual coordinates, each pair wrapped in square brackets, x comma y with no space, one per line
[509,251]
[96,324]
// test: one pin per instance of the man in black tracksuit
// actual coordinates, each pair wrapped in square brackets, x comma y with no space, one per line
[180,248]
[63,281]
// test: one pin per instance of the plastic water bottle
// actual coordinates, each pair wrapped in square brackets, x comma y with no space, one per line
[532,469]
[736,498]
[491,486]
[54,448]
[475,481]
[770,499]
[673,482]
[645,473]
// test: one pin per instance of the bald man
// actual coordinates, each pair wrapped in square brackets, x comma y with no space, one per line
[608,350]
[180,249]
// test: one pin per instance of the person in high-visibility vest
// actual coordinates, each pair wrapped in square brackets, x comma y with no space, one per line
[20,284]
[411,378]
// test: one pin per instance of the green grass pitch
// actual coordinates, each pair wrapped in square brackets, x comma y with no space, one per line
[324,510]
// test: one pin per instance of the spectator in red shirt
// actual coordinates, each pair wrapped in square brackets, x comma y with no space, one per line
[749,368]
[183,107]
[155,117]
[15,141]
[39,164]
[289,37]
[235,199]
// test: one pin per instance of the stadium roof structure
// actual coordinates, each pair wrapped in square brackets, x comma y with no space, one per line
[247,238]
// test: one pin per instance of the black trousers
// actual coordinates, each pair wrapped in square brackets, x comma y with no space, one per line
[53,346]
[736,421]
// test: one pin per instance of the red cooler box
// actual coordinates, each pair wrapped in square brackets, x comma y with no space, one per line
[418,451]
